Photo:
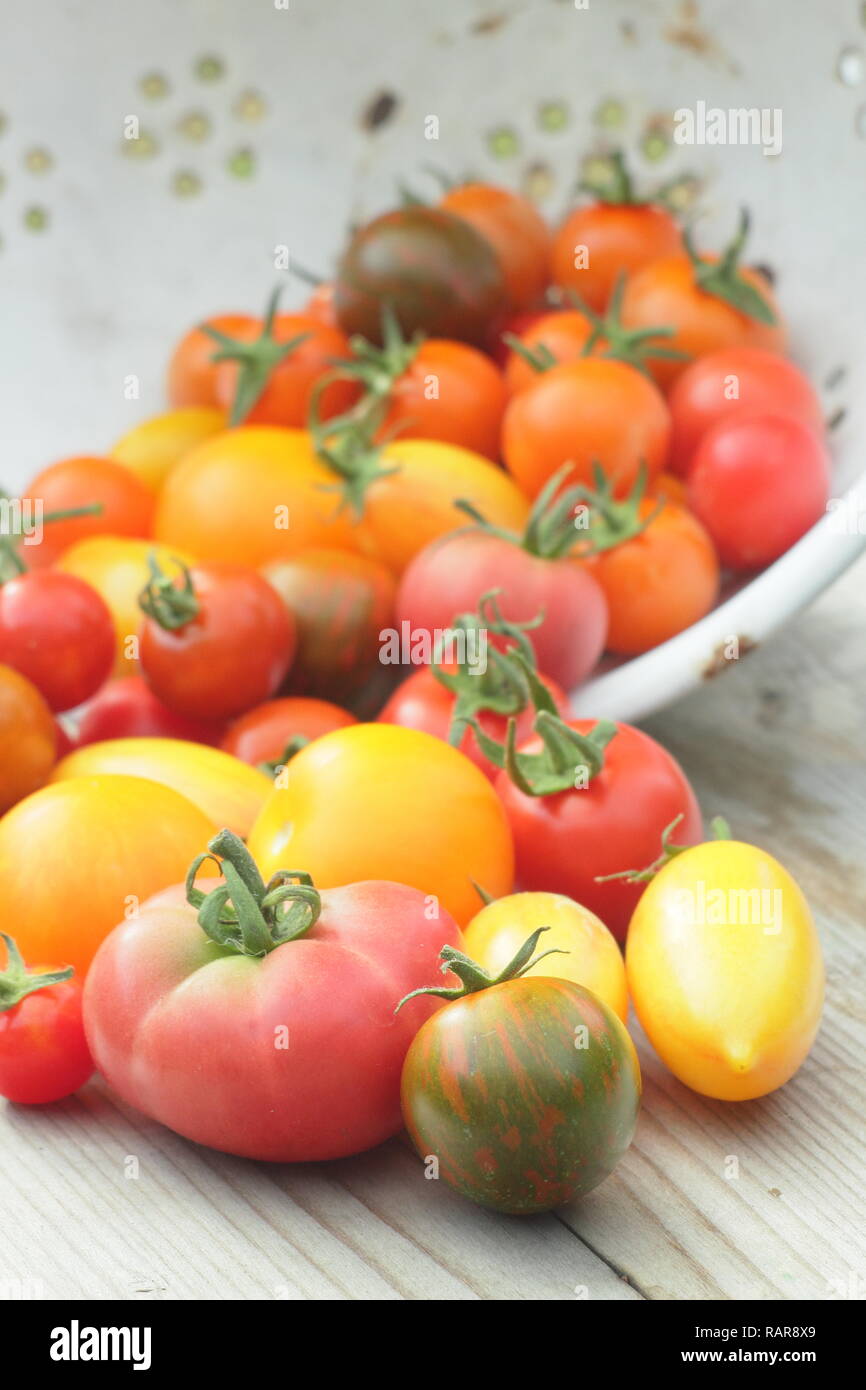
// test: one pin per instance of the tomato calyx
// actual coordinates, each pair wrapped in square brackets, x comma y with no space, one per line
[551,528]
[246,915]
[723,279]
[614,520]
[669,850]
[500,687]
[292,748]
[256,360]
[161,599]
[630,345]
[11,560]
[16,981]
[473,977]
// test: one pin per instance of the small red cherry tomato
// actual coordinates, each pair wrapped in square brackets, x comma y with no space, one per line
[43,1051]
[272,732]
[128,708]
[57,631]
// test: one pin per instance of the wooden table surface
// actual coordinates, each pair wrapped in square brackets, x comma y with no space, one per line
[777,747]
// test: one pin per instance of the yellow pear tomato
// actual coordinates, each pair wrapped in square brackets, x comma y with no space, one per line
[116,566]
[590,956]
[229,792]
[376,801]
[151,450]
[724,969]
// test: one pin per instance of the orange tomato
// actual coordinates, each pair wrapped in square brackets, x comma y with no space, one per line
[666,292]
[562,335]
[595,244]
[449,391]
[79,855]
[117,567]
[28,738]
[127,505]
[150,450]
[288,390]
[514,228]
[377,801]
[192,371]
[596,410]
[252,495]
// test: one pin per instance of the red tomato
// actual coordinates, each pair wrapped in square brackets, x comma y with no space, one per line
[449,391]
[192,371]
[281,1049]
[566,839]
[758,484]
[733,384]
[423,702]
[515,229]
[450,577]
[595,244]
[595,411]
[58,632]
[515,324]
[277,367]
[43,1051]
[558,337]
[227,645]
[128,708]
[264,734]
[126,505]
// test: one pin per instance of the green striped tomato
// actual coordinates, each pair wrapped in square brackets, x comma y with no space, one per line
[526,1093]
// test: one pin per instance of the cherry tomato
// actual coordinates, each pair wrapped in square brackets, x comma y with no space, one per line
[128,708]
[434,269]
[263,387]
[449,391]
[215,640]
[265,734]
[126,505]
[517,324]
[515,229]
[192,371]
[28,738]
[57,631]
[595,244]
[758,484]
[552,338]
[151,450]
[732,384]
[340,603]
[43,1051]
[595,411]
[320,305]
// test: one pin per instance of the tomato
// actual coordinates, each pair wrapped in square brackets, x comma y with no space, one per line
[80,854]
[126,505]
[593,411]
[730,385]
[390,803]
[128,708]
[515,325]
[43,1051]
[514,228]
[151,450]
[452,575]
[525,1090]
[423,702]
[724,967]
[271,732]
[320,305]
[574,824]
[414,504]
[340,603]
[272,371]
[589,955]
[215,640]
[192,371]
[553,338]
[118,569]
[658,580]
[435,270]
[595,244]
[274,1038]
[758,484]
[56,631]
[227,791]
[28,738]
[449,391]
[254,494]
[710,302]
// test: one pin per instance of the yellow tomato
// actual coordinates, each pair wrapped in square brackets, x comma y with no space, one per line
[151,450]
[376,801]
[116,566]
[229,792]
[406,509]
[252,495]
[593,959]
[78,856]
[725,971]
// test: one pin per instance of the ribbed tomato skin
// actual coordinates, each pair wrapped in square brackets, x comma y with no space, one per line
[526,1093]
